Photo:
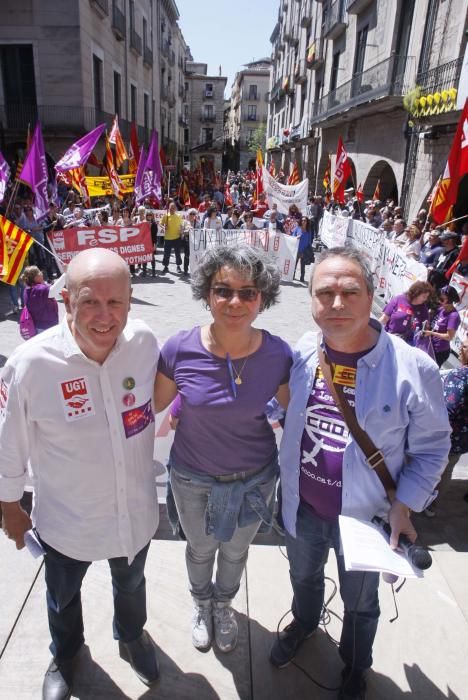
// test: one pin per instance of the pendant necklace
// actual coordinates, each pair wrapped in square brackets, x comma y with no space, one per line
[238,373]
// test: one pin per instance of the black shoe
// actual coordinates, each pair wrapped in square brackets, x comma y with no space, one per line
[287,644]
[179,269]
[58,680]
[353,685]
[141,655]
[153,273]
[165,269]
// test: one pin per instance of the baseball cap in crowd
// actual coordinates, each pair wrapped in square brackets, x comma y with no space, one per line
[192,211]
[448,235]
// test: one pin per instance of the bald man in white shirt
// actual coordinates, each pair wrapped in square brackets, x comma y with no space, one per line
[76,403]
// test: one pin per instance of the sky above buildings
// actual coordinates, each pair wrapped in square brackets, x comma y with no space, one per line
[227,33]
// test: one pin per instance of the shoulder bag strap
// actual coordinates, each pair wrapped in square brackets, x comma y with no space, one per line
[374,457]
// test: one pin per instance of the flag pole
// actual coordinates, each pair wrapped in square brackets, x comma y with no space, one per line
[452,221]
[13,196]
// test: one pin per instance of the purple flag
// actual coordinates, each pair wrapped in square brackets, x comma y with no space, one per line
[150,183]
[139,195]
[80,151]
[35,175]
[4,176]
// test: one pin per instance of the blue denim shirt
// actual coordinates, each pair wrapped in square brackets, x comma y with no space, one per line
[399,402]
[231,504]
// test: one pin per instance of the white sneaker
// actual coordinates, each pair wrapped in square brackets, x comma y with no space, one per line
[225,627]
[202,625]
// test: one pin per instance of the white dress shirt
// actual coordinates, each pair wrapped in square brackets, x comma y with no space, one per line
[86,433]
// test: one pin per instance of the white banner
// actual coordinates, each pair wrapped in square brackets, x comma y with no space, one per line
[278,246]
[393,271]
[461,285]
[333,229]
[285,195]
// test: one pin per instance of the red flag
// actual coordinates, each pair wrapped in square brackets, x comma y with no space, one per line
[462,257]
[294,178]
[272,169]
[227,195]
[360,194]
[456,168]
[376,194]
[342,172]
[92,160]
[134,146]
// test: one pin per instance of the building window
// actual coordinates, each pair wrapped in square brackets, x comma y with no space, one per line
[252,113]
[252,92]
[208,111]
[131,14]
[133,103]
[17,64]
[145,33]
[153,113]
[209,92]
[360,50]
[97,81]
[208,136]
[334,71]
[146,111]
[117,92]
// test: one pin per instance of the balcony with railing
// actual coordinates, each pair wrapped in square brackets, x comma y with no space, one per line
[164,92]
[75,119]
[388,80]
[102,6]
[165,48]
[440,78]
[135,42]
[183,120]
[355,7]
[147,56]
[335,20]
[118,22]
[277,92]
[208,116]
[435,91]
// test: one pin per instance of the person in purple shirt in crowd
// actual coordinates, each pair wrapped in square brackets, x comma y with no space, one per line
[302,231]
[223,464]
[445,324]
[407,312]
[43,310]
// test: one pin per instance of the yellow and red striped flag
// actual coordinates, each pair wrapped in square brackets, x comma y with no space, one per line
[18,243]
[116,139]
[78,182]
[3,253]
[115,181]
[376,195]
[294,178]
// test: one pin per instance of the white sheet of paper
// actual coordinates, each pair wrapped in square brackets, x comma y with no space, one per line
[33,545]
[365,548]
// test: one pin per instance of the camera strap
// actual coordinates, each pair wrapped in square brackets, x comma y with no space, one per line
[374,457]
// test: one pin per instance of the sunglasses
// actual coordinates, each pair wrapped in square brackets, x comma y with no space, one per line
[244,294]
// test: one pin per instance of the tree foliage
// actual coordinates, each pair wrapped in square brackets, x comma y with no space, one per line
[258,139]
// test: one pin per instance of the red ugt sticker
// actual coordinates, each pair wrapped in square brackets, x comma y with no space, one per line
[77,399]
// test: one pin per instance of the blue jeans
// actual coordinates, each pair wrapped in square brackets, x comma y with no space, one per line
[64,576]
[308,554]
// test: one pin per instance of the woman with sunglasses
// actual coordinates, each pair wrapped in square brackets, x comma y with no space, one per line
[223,463]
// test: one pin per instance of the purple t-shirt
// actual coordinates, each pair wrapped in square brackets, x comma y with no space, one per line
[404,317]
[324,438]
[444,321]
[219,433]
[44,311]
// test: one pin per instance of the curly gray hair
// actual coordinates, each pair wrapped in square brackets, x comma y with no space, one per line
[247,261]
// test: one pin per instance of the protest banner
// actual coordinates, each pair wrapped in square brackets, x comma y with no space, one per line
[132,243]
[101,186]
[460,283]
[285,195]
[278,246]
[334,229]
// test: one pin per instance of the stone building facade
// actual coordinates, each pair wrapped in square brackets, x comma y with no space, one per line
[249,110]
[75,63]
[205,100]
[350,68]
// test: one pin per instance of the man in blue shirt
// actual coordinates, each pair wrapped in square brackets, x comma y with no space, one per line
[396,394]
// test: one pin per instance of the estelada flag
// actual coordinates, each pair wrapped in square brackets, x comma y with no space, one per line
[115,138]
[18,243]
[342,172]
[259,173]
[116,182]
[456,168]
[3,253]
[327,176]
[376,194]
[294,178]
[360,194]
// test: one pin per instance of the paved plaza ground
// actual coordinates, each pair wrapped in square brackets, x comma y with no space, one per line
[421,655]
